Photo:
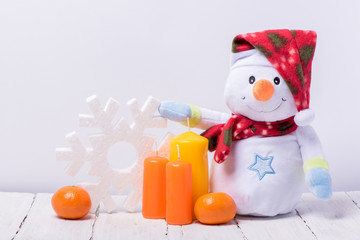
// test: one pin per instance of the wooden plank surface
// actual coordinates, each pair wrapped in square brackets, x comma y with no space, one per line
[336,219]
[288,226]
[196,230]
[13,210]
[43,224]
[29,216]
[125,225]
[355,197]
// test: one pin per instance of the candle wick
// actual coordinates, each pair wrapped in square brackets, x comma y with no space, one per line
[177,146]
[188,123]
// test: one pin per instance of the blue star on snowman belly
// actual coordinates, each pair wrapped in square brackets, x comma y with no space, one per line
[262,166]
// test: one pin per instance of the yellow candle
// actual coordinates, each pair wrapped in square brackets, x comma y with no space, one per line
[193,149]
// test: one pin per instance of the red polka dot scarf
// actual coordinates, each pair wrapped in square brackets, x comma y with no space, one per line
[290,52]
[239,127]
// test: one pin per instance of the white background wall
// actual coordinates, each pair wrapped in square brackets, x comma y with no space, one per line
[54,54]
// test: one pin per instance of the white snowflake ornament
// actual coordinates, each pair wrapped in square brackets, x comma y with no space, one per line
[111,134]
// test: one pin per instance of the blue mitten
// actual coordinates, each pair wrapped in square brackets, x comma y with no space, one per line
[319,182]
[175,111]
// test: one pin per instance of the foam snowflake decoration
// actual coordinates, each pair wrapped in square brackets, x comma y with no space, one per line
[111,134]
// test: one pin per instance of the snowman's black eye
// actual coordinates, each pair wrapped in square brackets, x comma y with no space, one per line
[277,80]
[251,79]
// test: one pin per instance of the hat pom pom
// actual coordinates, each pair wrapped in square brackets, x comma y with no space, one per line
[304,117]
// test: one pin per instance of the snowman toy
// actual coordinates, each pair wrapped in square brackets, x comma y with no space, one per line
[265,151]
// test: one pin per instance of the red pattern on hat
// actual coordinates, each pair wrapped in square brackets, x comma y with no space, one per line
[290,52]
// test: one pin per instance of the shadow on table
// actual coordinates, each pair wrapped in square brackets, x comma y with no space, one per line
[86,218]
[258,218]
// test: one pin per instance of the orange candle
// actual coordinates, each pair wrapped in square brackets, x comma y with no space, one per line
[193,149]
[178,193]
[154,188]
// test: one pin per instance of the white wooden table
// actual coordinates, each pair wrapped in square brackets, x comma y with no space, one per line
[30,216]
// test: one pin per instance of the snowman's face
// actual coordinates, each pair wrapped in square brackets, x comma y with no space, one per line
[259,93]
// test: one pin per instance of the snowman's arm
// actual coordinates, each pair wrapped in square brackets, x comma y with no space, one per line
[309,142]
[315,166]
[198,117]
[209,118]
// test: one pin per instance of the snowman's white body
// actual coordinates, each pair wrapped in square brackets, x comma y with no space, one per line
[276,192]
[264,175]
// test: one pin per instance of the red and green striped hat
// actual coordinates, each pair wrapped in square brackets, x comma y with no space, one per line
[291,53]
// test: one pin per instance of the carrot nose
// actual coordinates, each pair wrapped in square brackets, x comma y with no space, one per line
[263,90]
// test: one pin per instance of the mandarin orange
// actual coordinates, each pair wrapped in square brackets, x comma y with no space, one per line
[215,208]
[71,202]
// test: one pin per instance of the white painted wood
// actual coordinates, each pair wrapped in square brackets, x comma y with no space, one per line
[13,209]
[175,232]
[43,224]
[336,219]
[125,225]
[197,230]
[288,226]
[355,196]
